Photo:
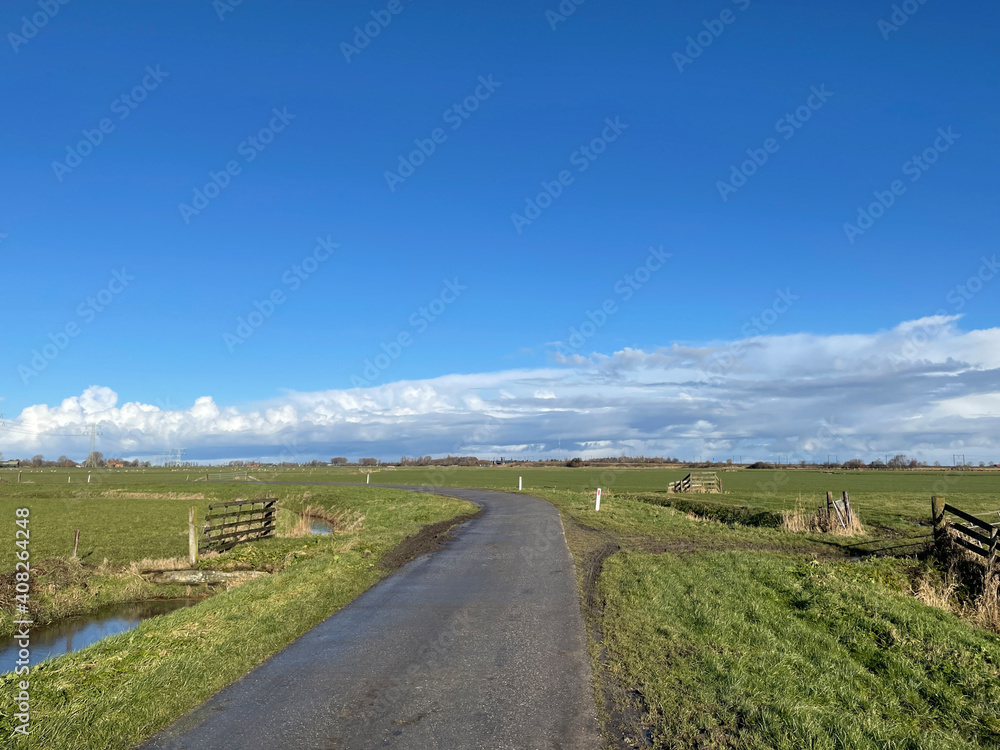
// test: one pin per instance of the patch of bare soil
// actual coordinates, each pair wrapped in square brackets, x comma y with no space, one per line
[428,539]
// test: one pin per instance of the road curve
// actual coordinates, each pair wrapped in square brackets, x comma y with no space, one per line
[479,645]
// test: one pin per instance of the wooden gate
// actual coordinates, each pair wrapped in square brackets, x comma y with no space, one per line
[974,535]
[697,481]
[229,524]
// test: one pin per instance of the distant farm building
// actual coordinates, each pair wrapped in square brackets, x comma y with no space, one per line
[12,464]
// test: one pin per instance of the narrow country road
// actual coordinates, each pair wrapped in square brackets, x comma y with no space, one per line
[479,645]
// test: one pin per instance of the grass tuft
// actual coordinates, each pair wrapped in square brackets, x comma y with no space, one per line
[822,521]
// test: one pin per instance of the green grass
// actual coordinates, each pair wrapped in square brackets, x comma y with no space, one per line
[734,632]
[755,651]
[144,518]
[635,524]
[894,499]
[125,688]
[752,637]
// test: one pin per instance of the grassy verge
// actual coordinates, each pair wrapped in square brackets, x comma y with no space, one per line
[125,531]
[125,688]
[709,631]
[754,651]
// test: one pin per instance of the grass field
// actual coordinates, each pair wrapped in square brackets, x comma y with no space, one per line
[714,635]
[903,492]
[728,649]
[732,634]
[896,500]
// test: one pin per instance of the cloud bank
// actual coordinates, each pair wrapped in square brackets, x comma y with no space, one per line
[925,388]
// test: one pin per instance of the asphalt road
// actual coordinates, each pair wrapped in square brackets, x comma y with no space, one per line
[479,645]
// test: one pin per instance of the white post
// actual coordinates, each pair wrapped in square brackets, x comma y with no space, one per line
[69,479]
[598,507]
[192,535]
[519,484]
[369,480]
[18,477]
[88,479]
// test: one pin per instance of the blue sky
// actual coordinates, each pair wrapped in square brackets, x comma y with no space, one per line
[208,84]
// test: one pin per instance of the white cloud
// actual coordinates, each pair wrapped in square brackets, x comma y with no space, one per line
[925,388]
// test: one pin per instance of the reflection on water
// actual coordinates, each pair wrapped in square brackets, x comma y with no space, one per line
[74,633]
[320,528]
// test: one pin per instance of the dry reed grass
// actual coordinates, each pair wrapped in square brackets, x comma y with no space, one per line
[822,521]
[299,524]
[983,611]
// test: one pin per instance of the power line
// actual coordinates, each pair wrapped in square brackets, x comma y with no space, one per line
[20,430]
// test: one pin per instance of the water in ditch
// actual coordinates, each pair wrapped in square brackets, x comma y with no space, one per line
[320,528]
[74,633]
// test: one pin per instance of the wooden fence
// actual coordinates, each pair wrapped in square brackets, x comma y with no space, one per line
[974,535]
[840,509]
[697,481]
[228,524]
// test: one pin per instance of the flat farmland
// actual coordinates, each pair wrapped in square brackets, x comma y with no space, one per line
[883,498]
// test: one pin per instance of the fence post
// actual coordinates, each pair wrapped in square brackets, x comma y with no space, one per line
[76,542]
[940,525]
[847,508]
[193,535]
[992,560]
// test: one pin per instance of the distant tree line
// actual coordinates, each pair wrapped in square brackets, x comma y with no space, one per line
[94,460]
[899,461]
